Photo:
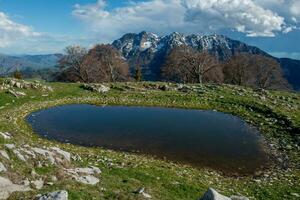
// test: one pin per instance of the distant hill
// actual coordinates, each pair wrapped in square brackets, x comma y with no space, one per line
[9,63]
[149,50]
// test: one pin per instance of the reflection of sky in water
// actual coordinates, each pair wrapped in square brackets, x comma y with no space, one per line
[201,138]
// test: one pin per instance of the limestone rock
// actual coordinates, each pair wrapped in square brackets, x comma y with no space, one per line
[7,187]
[2,168]
[10,146]
[89,179]
[19,155]
[212,194]
[57,195]
[38,184]
[238,198]
[85,175]
[4,154]
[63,153]
[6,136]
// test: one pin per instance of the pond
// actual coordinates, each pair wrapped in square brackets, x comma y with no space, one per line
[199,138]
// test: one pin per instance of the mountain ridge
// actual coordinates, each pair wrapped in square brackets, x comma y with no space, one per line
[10,63]
[149,50]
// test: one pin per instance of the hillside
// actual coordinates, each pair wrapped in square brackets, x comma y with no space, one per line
[149,50]
[33,165]
[33,62]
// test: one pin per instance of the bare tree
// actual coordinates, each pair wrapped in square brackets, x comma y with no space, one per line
[71,64]
[236,70]
[104,63]
[255,71]
[187,65]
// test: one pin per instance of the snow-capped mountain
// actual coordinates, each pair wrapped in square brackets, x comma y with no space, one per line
[149,50]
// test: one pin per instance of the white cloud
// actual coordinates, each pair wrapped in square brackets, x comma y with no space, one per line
[11,31]
[252,17]
[156,15]
[295,8]
[241,15]
[294,55]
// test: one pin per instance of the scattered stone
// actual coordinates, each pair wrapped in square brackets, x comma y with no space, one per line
[295,194]
[7,187]
[38,184]
[65,154]
[87,170]
[48,154]
[57,195]
[19,155]
[6,136]
[10,146]
[2,168]
[16,93]
[238,198]
[84,175]
[4,154]
[89,179]
[212,194]
[53,178]
[96,88]
[142,192]
[33,173]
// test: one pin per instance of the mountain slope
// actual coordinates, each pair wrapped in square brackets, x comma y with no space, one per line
[11,63]
[149,51]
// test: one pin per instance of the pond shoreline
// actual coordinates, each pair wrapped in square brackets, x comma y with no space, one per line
[15,116]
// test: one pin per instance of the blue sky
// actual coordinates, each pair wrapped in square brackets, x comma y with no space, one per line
[47,26]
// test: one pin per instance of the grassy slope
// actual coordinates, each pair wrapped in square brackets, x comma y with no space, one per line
[123,173]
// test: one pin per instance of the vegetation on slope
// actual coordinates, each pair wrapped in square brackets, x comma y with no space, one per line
[276,114]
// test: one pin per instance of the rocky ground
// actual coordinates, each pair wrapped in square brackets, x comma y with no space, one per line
[35,168]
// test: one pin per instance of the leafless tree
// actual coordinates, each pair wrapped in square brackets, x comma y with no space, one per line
[255,71]
[104,63]
[187,65]
[236,70]
[71,64]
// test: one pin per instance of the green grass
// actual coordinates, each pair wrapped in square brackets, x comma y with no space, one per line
[277,116]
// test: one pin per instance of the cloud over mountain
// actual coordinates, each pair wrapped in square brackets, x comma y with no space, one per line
[252,17]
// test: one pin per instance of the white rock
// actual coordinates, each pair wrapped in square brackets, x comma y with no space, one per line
[89,179]
[211,194]
[65,154]
[57,195]
[10,146]
[238,198]
[142,192]
[2,168]
[6,136]
[7,187]
[29,153]
[4,154]
[48,154]
[19,155]
[38,184]
[103,89]
[86,170]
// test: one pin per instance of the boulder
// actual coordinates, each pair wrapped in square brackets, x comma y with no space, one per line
[4,154]
[212,194]
[89,179]
[2,168]
[7,187]
[57,195]
[6,136]
[63,153]
[38,184]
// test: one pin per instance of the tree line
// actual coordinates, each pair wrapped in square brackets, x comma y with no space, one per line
[183,64]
